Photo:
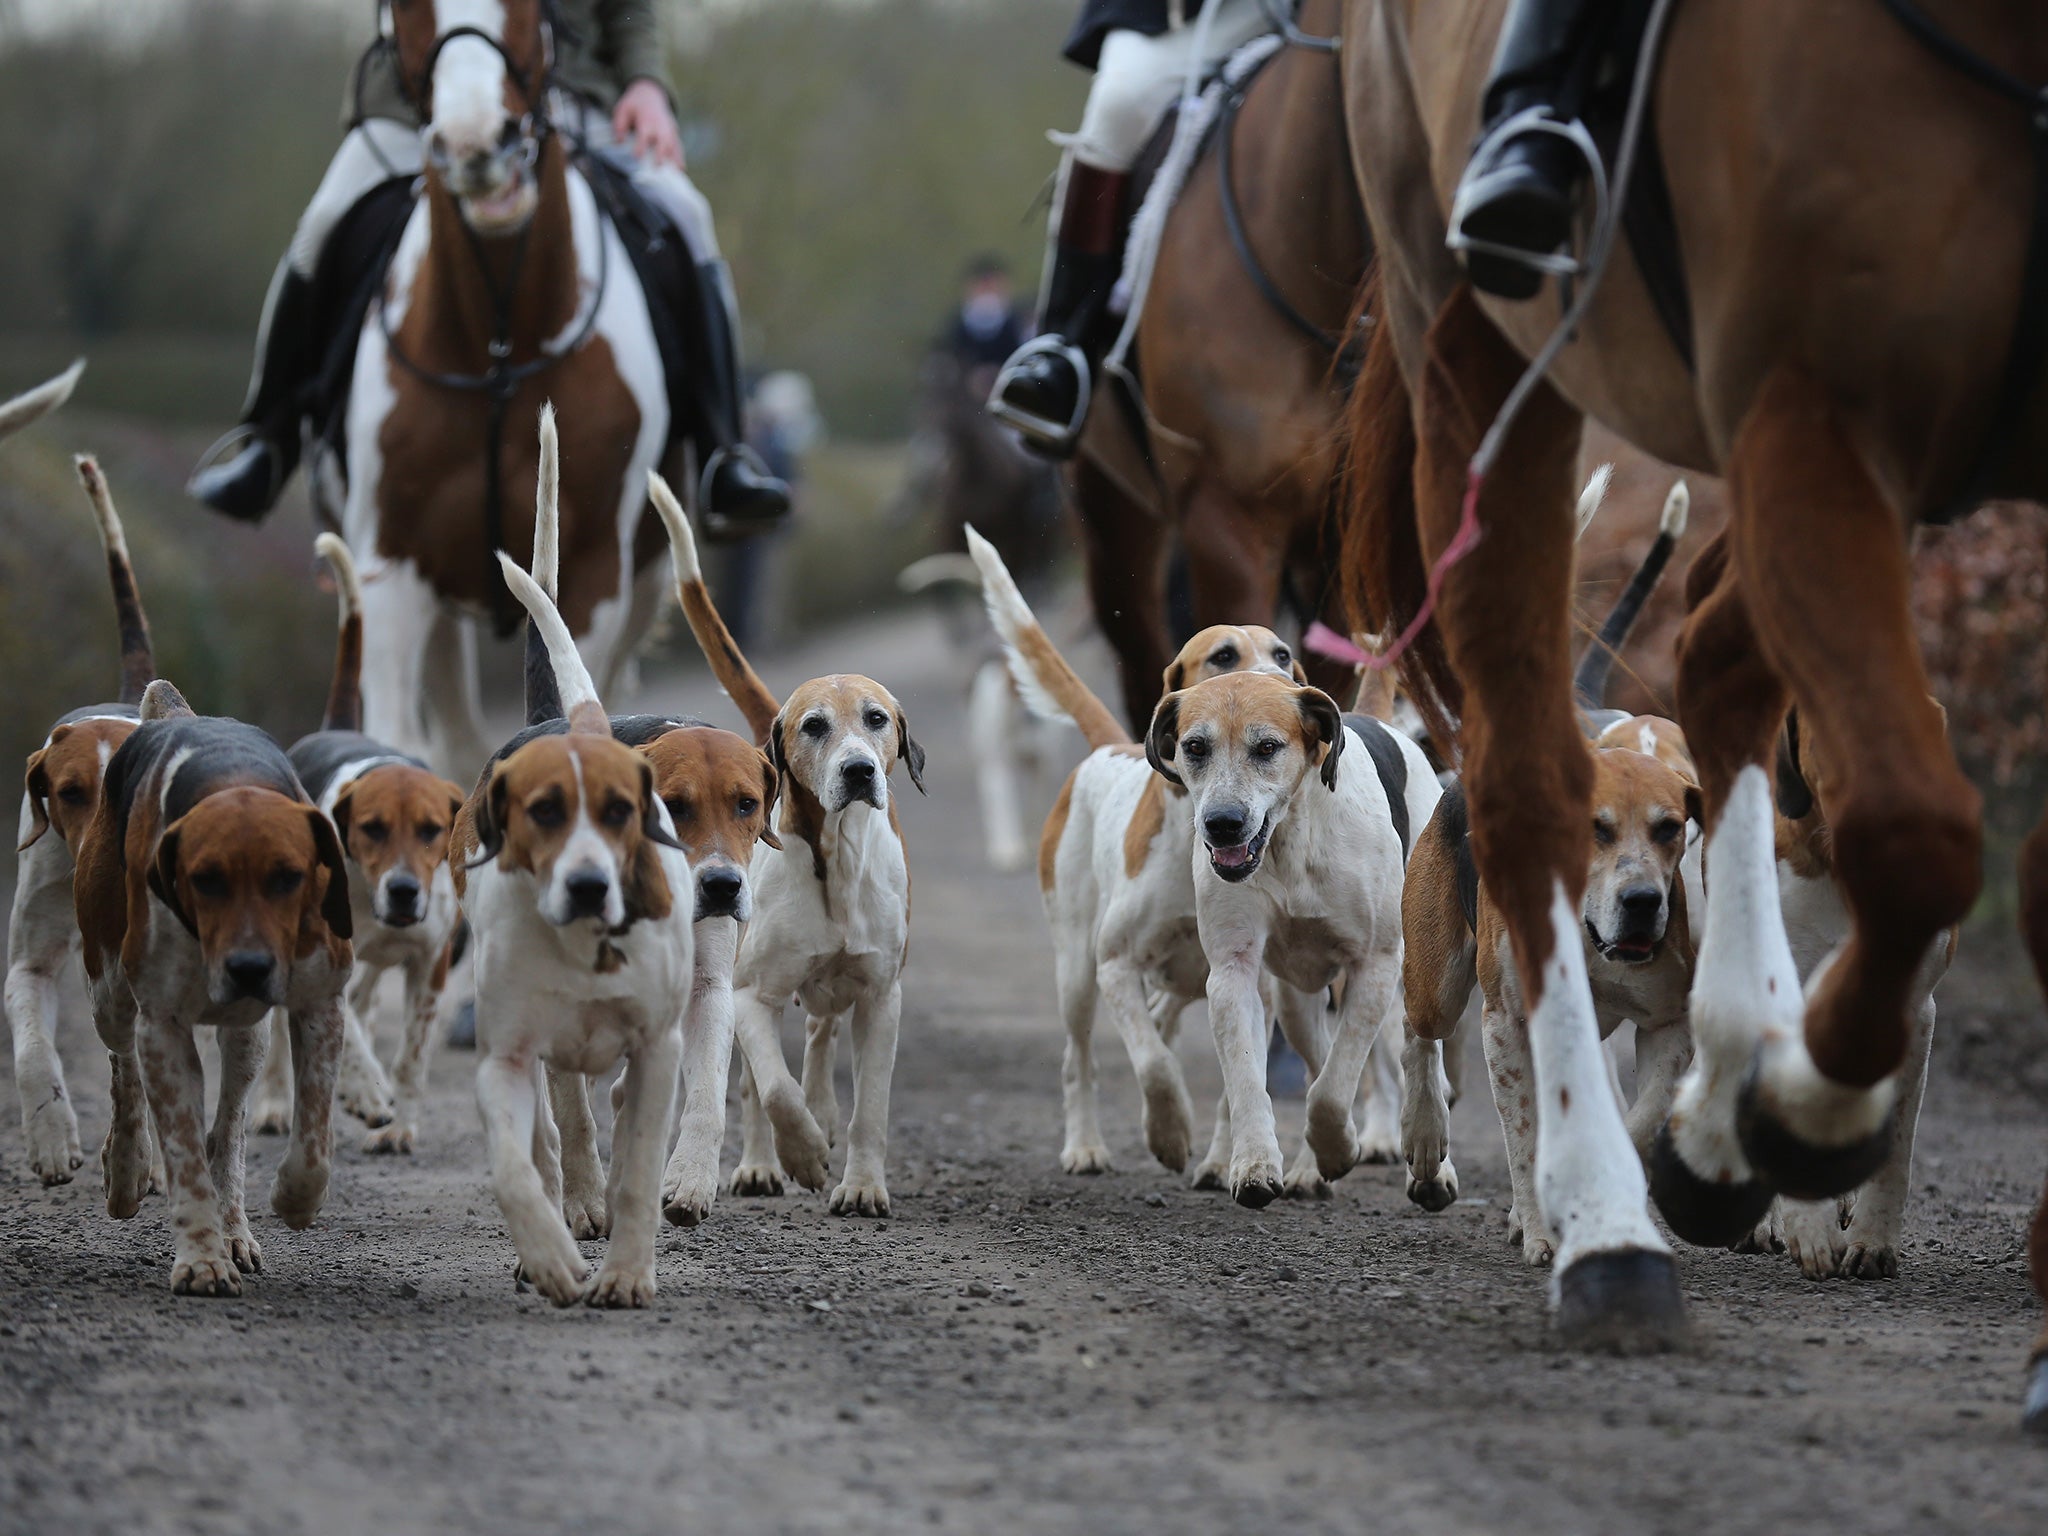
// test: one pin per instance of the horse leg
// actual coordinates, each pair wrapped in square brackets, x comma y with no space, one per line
[1126,550]
[1811,588]
[1505,611]
[2033,880]
[1233,560]
[400,618]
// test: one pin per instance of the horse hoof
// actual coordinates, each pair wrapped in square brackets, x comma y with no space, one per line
[1623,1302]
[2034,1419]
[1795,1166]
[1704,1214]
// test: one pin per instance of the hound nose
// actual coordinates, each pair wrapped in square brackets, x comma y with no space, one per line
[1640,905]
[250,970]
[858,774]
[718,892]
[587,889]
[1227,826]
[401,900]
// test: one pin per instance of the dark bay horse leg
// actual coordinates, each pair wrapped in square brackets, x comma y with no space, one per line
[1505,613]
[1814,589]
[1126,548]
[2033,873]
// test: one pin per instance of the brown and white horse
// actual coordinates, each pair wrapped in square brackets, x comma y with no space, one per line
[507,289]
[1852,217]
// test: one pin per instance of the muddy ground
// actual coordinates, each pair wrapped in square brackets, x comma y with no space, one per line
[1016,1350]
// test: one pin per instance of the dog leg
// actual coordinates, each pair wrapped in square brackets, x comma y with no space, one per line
[1300,1015]
[41,935]
[1084,1151]
[241,1057]
[509,1097]
[423,980]
[1379,1126]
[301,1183]
[626,1278]
[201,1263]
[821,1091]
[129,1150]
[758,1173]
[1213,1172]
[363,1088]
[1372,990]
[1512,1071]
[800,1145]
[1237,1014]
[992,728]
[271,1113]
[1872,1251]
[1662,1055]
[583,1176]
[1169,1112]
[1425,1115]
[690,1182]
[864,1192]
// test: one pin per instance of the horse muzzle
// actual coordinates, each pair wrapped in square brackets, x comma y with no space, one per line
[494,186]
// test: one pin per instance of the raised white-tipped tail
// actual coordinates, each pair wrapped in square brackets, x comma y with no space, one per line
[37,403]
[1049,687]
[1677,508]
[547,507]
[95,482]
[572,677]
[1591,497]
[728,663]
[347,585]
[943,569]
[682,542]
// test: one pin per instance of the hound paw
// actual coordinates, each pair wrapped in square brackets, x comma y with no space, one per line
[860,1197]
[1213,1173]
[298,1192]
[371,1105]
[1813,1237]
[1304,1180]
[245,1251]
[1438,1192]
[1085,1159]
[1168,1119]
[124,1165]
[1331,1134]
[584,1211]
[757,1179]
[561,1277]
[800,1145]
[1255,1181]
[686,1199]
[395,1138]
[1869,1258]
[1539,1248]
[270,1117]
[206,1274]
[53,1146]
[628,1285]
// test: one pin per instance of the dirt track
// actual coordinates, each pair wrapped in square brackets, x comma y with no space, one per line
[1016,1350]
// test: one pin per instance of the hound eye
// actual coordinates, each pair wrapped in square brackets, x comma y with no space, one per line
[375,831]
[1283,657]
[876,719]
[617,813]
[211,884]
[1225,658]
[746,807]
[283,882]
[1603,834]
[427,831]
[1195,749]
[72,794]
[816,727]
[546,813]
[1268,749]
[678,810]
[1668,831]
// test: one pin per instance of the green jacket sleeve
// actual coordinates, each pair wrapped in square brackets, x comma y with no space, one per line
[629,43]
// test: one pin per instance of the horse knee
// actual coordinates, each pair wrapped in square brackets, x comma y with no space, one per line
[1912,870]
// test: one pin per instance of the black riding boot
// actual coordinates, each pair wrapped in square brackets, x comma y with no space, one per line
[1516,201]
[1043,390]
[288,351]
[736,491]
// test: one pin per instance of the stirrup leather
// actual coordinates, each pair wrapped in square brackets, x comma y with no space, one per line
[1058,437]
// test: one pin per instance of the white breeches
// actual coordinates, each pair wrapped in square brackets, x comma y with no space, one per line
[1137,77]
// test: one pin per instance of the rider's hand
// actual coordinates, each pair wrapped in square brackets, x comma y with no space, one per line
[643,120]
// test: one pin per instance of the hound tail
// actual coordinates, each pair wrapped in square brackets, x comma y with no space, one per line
[1592,496]
[543,697]
[138,658]
[345,692]
[1048,685]
[40,401]
[1589,683]
[162,701]
[571,678]
[740,682]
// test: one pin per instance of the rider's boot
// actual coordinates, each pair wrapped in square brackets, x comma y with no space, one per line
[1515,203]
[1043,389]
[247,483]
[737,493]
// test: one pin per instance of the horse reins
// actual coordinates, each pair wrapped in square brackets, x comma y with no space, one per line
[2023,358]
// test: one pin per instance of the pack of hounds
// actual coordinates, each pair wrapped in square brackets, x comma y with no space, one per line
[636,894]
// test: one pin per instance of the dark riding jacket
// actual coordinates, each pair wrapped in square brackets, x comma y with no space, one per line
[601,47]
[1147,18]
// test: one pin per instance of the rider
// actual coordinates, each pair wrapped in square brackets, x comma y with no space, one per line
[985,327]
[612,93]
[1515,203]
[1142,52]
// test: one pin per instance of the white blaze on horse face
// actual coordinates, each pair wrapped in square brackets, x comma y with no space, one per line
[468,91]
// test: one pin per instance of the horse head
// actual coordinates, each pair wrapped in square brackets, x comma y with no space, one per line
[477,72]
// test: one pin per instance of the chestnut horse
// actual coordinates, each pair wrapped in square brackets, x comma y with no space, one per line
[507,289]
[1244,416]
[1853,207]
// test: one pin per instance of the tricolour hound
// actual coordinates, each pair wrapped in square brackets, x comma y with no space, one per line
[831,907]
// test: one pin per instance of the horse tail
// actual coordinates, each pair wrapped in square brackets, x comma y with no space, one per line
[1589,683]
[1385,577]
[345,692]
[571,676]
[740,682]
[543,697]
[40,401]
[138,657]
[1049,687]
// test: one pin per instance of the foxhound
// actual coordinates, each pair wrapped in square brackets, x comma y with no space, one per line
[1297,863]
[831,907]
[567,868]
[61,793]
[1115,875]
[393,814]
[210,890]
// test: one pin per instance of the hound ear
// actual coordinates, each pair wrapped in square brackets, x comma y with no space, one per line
[490,821]
[650,811]
[771,786]
[163,877]
[1795,795]
[646,891]
[1324,721]
[1296,670]
[1695,805]
[910,753]
[38,784]
[334,907]
[344,808]
[456,801]
[1175,679]
[778,759]
[1163,736]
